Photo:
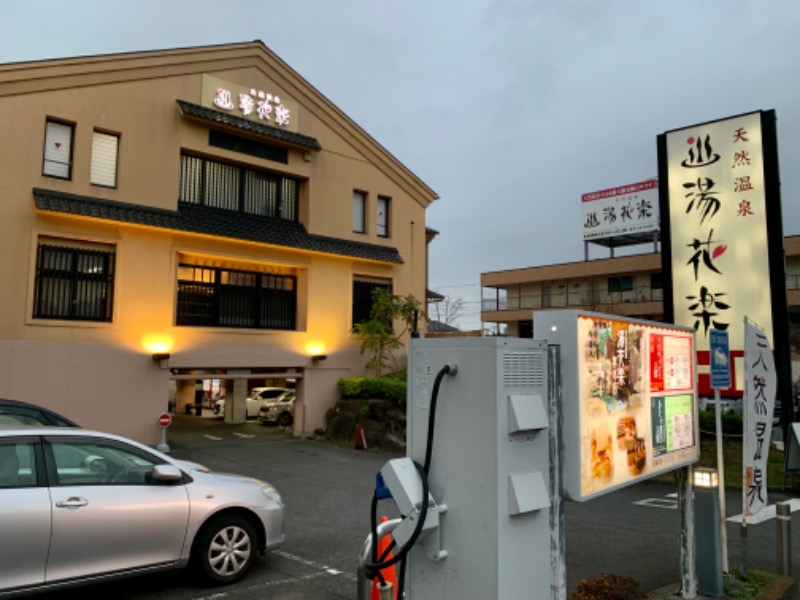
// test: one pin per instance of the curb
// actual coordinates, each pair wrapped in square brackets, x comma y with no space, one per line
[780,588]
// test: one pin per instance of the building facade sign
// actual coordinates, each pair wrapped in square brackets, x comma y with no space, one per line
[263,105]
[716,255]
[620,211]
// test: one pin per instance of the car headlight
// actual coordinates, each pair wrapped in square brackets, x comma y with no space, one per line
[270,492]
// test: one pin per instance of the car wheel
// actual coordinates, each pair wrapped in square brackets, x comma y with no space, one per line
[284,419]
[225,550]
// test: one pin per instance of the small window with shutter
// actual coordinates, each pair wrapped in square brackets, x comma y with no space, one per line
[105,148]
[58,149]
[359,211]
[382,226]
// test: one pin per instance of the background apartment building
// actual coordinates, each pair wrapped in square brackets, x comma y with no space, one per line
[629,286]
[187,215]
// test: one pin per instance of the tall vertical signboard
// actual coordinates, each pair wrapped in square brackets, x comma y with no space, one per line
[722,255]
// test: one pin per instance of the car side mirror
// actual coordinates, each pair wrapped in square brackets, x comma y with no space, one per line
[166,474]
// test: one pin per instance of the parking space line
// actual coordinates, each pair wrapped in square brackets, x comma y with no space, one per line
[313,564]
[212,437]
[658,503]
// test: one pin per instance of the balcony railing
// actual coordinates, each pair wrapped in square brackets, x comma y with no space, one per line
[517,300]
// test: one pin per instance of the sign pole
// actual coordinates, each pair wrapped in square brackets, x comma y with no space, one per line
[721,488]
[719,360]
[164,421]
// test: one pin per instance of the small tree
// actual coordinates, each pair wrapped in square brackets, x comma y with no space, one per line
[378,336]
[447,311]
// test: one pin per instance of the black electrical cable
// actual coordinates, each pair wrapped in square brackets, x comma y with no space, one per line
[432,416]
[374,569]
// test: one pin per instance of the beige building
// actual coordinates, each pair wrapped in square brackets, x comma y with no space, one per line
[185,218]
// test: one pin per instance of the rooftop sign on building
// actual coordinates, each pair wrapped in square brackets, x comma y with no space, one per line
[625,211]
[267,106]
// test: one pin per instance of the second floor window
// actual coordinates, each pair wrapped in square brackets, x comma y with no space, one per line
[105,148]
[58,149]
[363,288]
[229,187]
[211,297]
[382,228]
[656,281]
[359,212]
[74,284]
[620,284]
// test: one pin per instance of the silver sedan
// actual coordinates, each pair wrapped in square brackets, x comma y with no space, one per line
[78,506]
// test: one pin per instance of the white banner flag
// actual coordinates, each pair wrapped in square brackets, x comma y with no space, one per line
[759,403]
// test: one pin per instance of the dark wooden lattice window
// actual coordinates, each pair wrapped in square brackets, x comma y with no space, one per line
[363,289]
[74,284]
[211,297]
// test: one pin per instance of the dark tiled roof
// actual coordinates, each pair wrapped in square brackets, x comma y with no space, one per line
[432,296]
[210,221]
[274,133]
[439,327]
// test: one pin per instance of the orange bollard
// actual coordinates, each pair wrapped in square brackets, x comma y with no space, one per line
[389,573]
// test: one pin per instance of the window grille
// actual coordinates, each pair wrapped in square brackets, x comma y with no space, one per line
[73,284]
[228,187]
[210,297]
[362,298]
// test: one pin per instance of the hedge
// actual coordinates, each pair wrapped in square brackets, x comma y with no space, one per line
[374,387]
[731,423]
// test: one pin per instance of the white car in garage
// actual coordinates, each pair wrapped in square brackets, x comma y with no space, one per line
[254,400]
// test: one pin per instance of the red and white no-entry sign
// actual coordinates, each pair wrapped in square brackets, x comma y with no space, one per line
[165,420]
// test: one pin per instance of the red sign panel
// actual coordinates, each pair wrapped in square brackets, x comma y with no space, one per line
[165,420]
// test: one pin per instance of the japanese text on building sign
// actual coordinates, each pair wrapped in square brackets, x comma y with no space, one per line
[717,208]
[258,101]
[759,396]
[619,211]
[266,106]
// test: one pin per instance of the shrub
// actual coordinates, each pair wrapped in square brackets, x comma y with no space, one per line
[365,412]
[608,587]
[731,423]
[374,387]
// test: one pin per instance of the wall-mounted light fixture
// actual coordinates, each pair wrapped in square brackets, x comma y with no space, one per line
[160,358]
[316,350]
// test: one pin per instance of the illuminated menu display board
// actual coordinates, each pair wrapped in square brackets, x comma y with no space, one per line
[629,398]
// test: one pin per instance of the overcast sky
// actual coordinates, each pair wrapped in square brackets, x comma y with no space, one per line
[509,110]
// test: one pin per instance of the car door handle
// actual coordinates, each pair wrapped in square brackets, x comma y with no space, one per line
[73,502]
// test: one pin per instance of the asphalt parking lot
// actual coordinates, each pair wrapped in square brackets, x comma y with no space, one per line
[328,488]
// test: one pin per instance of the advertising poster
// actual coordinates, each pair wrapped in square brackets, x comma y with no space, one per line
[628,398]
[636,401]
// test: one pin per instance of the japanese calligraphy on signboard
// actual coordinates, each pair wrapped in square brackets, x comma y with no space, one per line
[266,106]
[620,211]
[759,404]
[629,398]
[718,227]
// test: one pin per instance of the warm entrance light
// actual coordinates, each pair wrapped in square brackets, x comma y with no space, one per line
[315,348]
[157,343]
